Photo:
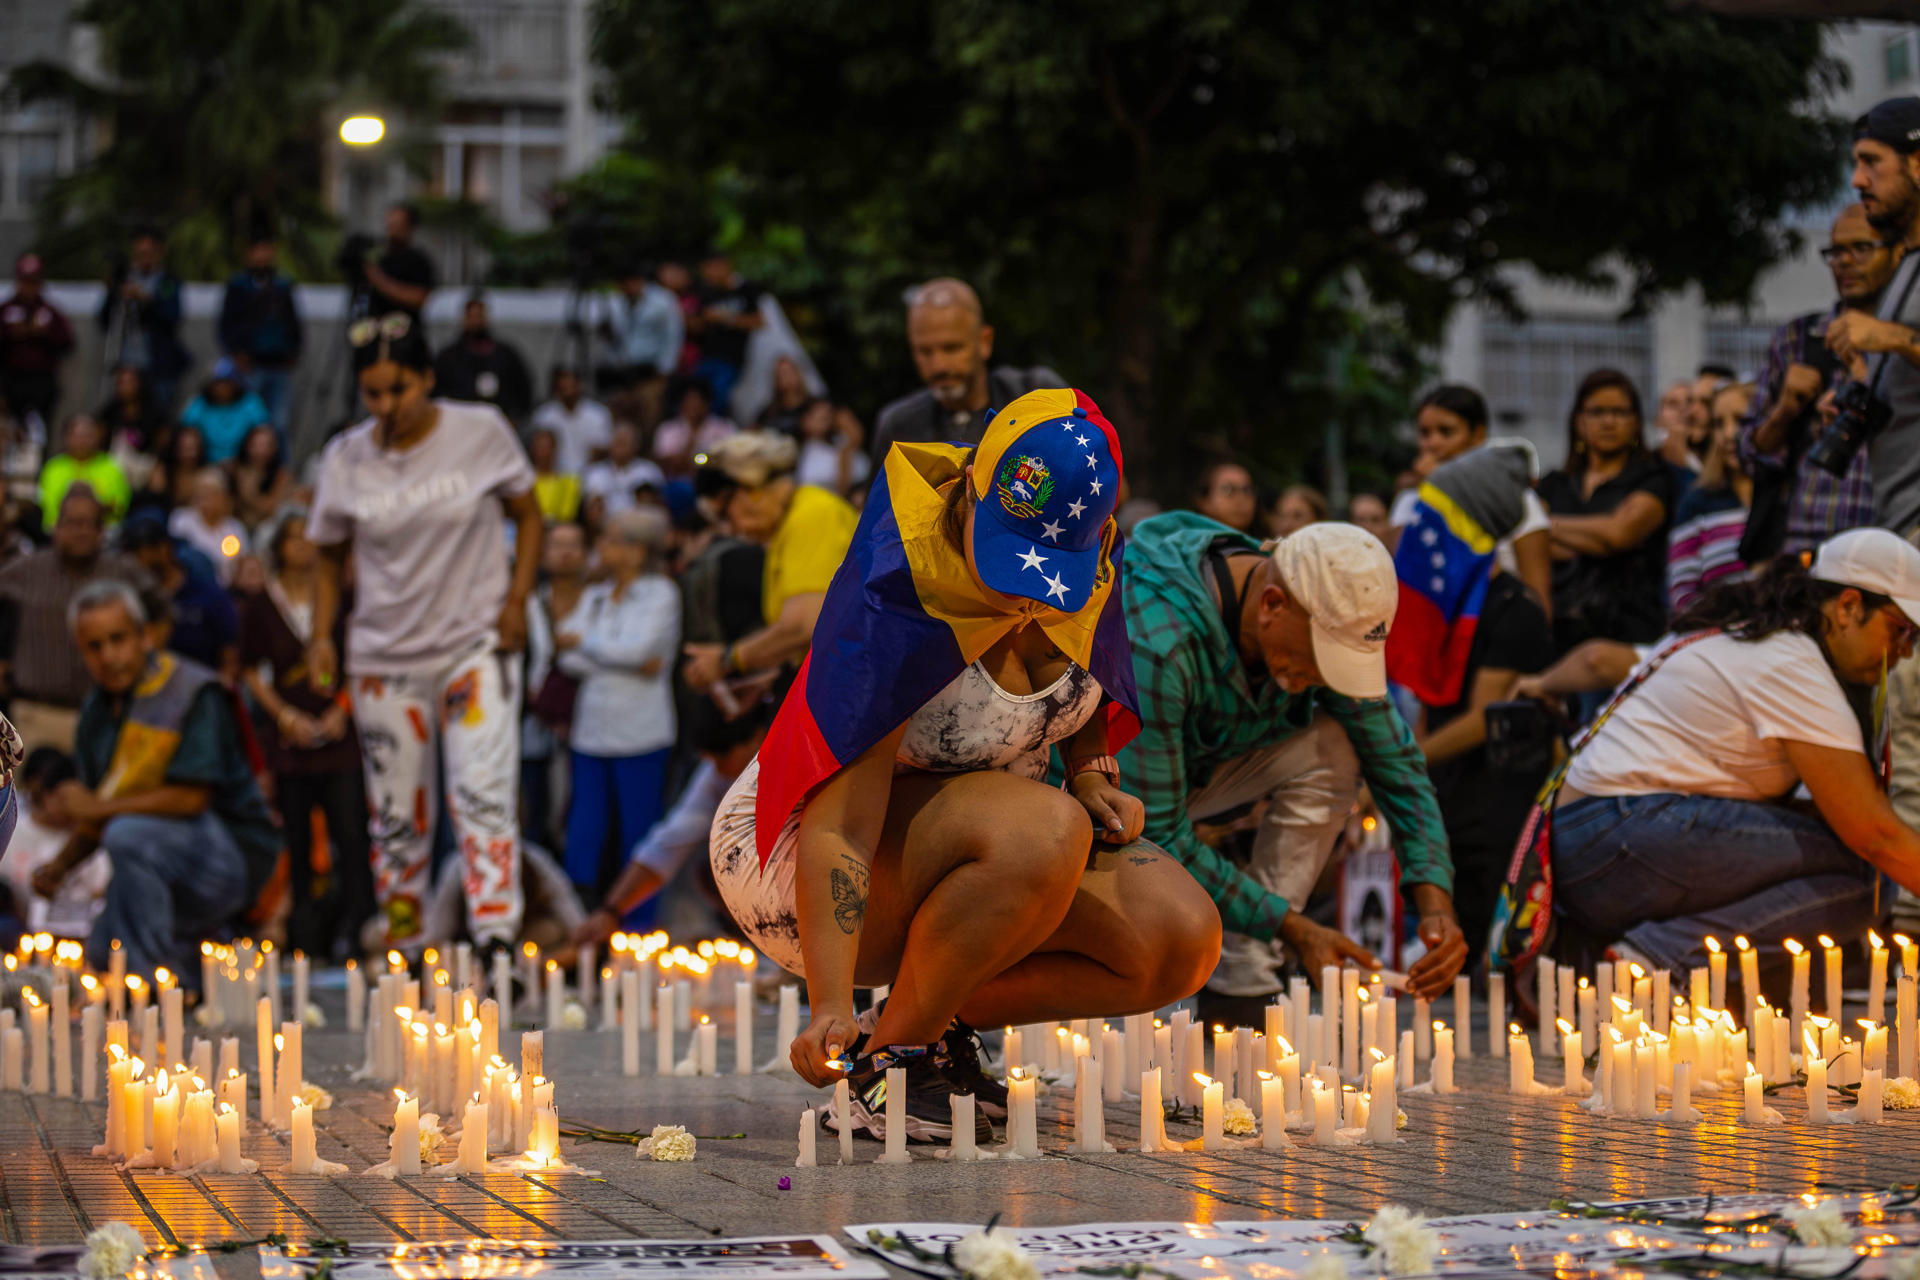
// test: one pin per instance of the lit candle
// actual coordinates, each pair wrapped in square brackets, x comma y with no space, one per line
[663,1032]
[1520,1063]
[1909,955]
[403,1148]
[1646,1080]
[227,1124]
[630,1010]
[1574,1080]
[135,1113]
[1462,1017]
[119,1072]
[1383,1107]
[742,1028]
[707,1047]
[1763,1040]
[960,1146]
[207,969]
[1716,975]
[1754,1108]
[585,965]
[1816,1067]
[272,957]
[165,1102]
[1089,1115]
[1326,1103]
[1223,1059]
[1832,950]
[842,1104]
[1662,1000]
[472,1154]
[116,980]
[1496,1014]
[1113,1053]
[1642,994]
[1212,1113]
[1163,1046]
[40,1075]
[303,1147]
[300,987]
[356,997]
[1350,1028]
[1877,979]
[1874,1052]
[1273,1112]
[90,1023]
[896,1118]
[809,1135]
[1441,1073]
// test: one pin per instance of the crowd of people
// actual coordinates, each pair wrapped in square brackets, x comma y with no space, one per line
[944,706]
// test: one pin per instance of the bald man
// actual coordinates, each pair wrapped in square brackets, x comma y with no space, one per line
[951,343]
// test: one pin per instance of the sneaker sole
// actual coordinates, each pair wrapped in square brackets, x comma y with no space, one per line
[919,1129]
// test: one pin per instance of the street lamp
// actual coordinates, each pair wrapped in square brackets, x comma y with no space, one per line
[362,131]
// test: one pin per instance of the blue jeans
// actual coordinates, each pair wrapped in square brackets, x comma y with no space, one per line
[720,376]
[275,389]
[631,787]
[1663,871]
[174,881]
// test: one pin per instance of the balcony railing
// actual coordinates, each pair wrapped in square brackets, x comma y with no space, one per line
[523,40]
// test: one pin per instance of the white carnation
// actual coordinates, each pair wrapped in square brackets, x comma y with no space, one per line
[314,1016]
[112,1251]
[1902,1094]
[574,1016]
[1821,1225]
[1238,1117]
[1327,1266]
[430,1136]
[1405,1243]
[671,1142]
[994,1255]
[314,1096]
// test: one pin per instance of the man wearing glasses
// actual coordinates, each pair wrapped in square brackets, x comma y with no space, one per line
[1797,505]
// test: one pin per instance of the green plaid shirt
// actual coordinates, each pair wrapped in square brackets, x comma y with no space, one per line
[1198,711]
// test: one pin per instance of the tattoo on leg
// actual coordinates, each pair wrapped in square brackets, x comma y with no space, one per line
[1140,859]
[849,887]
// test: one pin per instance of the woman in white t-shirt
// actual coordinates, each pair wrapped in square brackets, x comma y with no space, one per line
[1676,818]
[420,495]
[1451,421]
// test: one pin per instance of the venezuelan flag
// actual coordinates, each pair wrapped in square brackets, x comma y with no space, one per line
[1444,562]
[904,616]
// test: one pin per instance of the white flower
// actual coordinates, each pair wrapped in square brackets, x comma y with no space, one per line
[1820,1224]
[314,1096]
[429,1140]
[1327,1266]
[994,1255]
[202,1015]
[1406,1244]
[1905,1267]
[574,1016]
[1399,1118]
[1238,1117]
[112,1251]
[1902,1094]
[671,1142]
[314,1016]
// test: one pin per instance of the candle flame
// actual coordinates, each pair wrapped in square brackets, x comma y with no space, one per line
[440,978]
[353,966]
[395,960]
[1615,1033]
[1903,939]
[419,1028]
[161,976]
[139,1067]
[1826,942]
[279,1043]
[115,1052]
[206,948]
[746,958]
[226,1109]
[1016,1073]
[1264,1075]
[400,1011]
[1751,1072]
[1286,1047]
[1206,1082]
[1377,1055]
[841,1064]
[1513,1028]
[1793,947]
[704,1019]
[431,956]
[529,950]
[1818,1021]
[133,982]
[553,966]
[88,981]
[1583,984]
[1741,943]
[400,1094]
[1874,938]
[1870,1025]
[1638,972]
[30,998]
[1713,944]
[1623,1004]
[706,950]
[1566,1028]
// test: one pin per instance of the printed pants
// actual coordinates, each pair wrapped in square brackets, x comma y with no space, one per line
[470,709]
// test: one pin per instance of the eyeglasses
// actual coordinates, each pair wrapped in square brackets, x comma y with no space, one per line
[1852,251]
[391,327]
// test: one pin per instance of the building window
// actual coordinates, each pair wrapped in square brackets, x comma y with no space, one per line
[1532,369]
[1900,59]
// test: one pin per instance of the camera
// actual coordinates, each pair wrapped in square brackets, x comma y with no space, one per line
[1861,417]
[1521,736]
[351,261]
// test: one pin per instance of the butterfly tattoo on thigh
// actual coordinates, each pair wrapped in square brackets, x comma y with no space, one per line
[848,886]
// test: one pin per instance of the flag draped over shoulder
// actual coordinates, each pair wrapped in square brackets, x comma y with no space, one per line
[904,616]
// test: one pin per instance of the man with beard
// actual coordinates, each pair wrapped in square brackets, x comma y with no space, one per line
[951,343]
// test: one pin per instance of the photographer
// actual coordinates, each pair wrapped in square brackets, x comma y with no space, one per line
[1484,792]
[400,278]
[1674,819]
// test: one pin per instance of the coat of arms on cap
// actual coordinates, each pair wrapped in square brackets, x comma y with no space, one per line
[1024,485]
[1379,632]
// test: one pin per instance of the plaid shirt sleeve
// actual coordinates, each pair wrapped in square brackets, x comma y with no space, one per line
[1397,773]
[1780,350]
[1153,767]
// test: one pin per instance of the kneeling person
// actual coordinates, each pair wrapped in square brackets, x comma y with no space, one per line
[896,826]
[164,787]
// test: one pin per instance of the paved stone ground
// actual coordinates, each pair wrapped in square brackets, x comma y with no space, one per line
[1479,1150]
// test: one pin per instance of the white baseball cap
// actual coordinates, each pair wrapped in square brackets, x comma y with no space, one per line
[1343,577]
[1876,560]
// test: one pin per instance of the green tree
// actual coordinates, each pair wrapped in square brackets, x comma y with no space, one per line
[216,115]
[1212,212]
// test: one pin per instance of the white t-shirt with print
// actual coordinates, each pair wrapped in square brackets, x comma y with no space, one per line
[578,432]
[1533,519]
[428,533]
[1712,719]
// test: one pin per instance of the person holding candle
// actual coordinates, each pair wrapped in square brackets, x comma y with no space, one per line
[420,494]
[1672,822]
[896,827]
[1262,674]
[165,787]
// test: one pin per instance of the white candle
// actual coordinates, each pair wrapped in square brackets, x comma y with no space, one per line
[843,1101]
[1681,1111]
[1329,1046]
[1463,1017]
[1350,1028]
[809,1135]
[1877,978]
[1496,1014]
[1816,1067]
[1423,1029]
[1646,1080]
[289,1069]
[1763,1039]
[1872,1096]
[272,956]
[1799,993]
[742,1028]
[1546,988]
[1223,1059]
[610,998]
[403,1147]
[1908,1018]
[1574,1079]
[40,1075]
[896,1118]
[1383,1108]
[663,1032]
[1273,1112]
[303,1155]
[472,1154]
[1442,1070]
[533,1067]
[1589,1026]
[119,1072]
[1326,1102]
[630,1010]
[1832,952]
[1753,1109]
[786,1028]
[1716,975]
[1212,1114]
[1405,1056]
[263,1041]
[135,1113]
[683,1005]
[1153,1136]
[356,997]
[90,1022]
[1369,1028]
[227,1123]
[1194,1060]
[1520,1062]
[503,984]
[585,965]
[466,1046]
[556,995]
[961,1146]
[1113,1055]
[707,1047]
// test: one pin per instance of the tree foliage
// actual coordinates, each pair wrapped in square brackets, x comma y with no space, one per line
[216,115]
[1230,219]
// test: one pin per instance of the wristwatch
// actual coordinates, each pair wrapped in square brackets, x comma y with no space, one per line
[1107,766]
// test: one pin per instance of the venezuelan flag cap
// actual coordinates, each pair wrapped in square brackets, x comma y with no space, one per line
[1046,479]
